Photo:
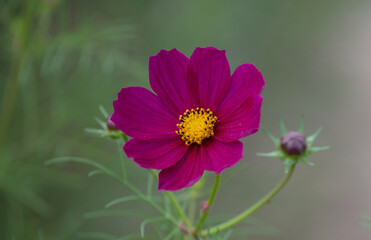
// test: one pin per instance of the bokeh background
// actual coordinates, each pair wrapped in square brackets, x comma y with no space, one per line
[60,60]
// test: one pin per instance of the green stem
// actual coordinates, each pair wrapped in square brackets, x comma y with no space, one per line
[149,201]
[176,205]
[137,191]
[237,219]
[119,145]
[209,202]
[179,210]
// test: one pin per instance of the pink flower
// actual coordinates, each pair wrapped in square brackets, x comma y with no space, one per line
[195,121]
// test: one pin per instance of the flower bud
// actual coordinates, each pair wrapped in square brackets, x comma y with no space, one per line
[204,206]
[293,144]
[183,227]
[110,125]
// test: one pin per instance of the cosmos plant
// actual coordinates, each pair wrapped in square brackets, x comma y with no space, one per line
[192,123]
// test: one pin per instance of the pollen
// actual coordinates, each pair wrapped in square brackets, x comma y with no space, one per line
[196,125]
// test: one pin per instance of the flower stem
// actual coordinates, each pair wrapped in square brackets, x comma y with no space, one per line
[178,209]
[209,202]
[176,204]
[149,201]
[119,144]
[237,219]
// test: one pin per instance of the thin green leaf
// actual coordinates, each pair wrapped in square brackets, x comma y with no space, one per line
[119,144]
[283,128]
[171,234]
[167,205]
[103,111]
[100,122]
[275,140]
[149,185]
[94,172]
[113,213]
[150,220]
[301,125]
[228,234]
[85,161]
[121,200]
[312,137]
[95,131]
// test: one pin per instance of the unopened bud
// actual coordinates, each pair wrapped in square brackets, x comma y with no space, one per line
[293,144]
[110,124]
[204,206]
[183,227]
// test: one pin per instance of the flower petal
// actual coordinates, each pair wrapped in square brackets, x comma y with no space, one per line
[246,81]
[242,122]
[221,155]
[141,114]
[211,69]
[184,173]
[168,78]
[158,153]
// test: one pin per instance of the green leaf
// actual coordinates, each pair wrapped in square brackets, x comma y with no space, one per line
[103,111]
[283,128]
[171,234]
[275,140]
[85,161]
[301,125]
[101,123]
[113,213]
[150,220]
[150,185]
[94,172]
[121,200]
[167,205]
[312,137]
[228,234]
[95,131]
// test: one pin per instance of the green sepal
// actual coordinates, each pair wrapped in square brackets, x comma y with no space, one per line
[313,137]
[283,128]
[317,149]
[306,161]
[275,140]
[288,162]
[275,154]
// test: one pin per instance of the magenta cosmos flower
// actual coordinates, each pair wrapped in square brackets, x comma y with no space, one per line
[195,120]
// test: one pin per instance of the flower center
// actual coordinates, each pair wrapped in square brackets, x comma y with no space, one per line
[196,125]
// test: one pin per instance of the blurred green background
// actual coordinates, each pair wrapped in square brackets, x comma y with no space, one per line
[59,60]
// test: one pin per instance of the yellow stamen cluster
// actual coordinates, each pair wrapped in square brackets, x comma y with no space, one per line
[196,125]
